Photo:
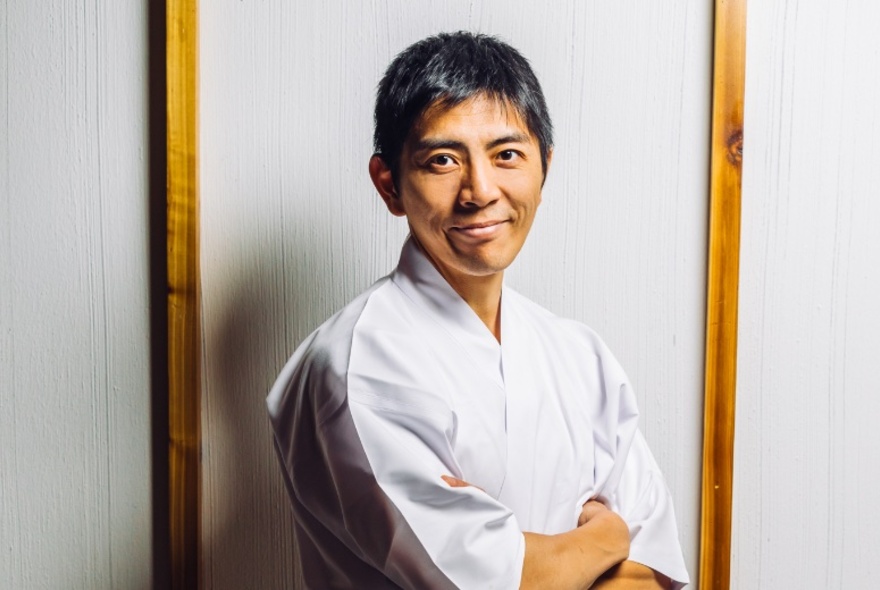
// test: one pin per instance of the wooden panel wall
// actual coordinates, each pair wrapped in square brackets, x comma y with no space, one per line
[807,447]
[292,229]
[74,353]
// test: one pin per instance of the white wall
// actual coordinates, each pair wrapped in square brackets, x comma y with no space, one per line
[292,229]
[74,378]
[807,457]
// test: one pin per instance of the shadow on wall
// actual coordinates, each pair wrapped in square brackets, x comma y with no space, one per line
[264,311]
[158,273]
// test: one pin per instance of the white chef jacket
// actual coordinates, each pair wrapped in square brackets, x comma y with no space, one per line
[406,384]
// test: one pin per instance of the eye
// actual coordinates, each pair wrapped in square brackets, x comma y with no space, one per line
[508,155]
[441,162]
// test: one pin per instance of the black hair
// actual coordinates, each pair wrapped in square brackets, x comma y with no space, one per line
[446,70]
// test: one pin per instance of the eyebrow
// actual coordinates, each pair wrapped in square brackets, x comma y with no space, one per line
[440,143]
[512,138]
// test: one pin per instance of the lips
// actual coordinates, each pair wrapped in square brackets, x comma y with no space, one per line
[483,229]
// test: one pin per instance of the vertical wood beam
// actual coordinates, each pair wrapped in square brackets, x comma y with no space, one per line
[728,90]
[184,314]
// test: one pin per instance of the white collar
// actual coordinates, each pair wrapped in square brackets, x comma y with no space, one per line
[422,283]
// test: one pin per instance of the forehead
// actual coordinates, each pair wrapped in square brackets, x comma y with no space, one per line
[477,117]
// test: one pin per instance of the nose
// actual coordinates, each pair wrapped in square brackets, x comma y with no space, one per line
[479,186]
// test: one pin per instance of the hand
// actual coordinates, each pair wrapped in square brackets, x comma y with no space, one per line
[577,558]
[614,535]
[590,510]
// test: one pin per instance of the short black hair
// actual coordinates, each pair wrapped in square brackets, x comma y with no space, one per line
[446,70]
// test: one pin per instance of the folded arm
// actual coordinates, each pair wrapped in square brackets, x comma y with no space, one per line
[630,575]
[577,558]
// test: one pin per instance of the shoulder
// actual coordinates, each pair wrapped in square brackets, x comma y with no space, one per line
[563,331]
[320,362]
[569,345]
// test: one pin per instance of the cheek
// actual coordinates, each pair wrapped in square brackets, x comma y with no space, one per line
[421,214]
[432,200]
[528,197]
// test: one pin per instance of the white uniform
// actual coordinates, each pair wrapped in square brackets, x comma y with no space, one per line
[406,384]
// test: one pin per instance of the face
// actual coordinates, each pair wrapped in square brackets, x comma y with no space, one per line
[469,183]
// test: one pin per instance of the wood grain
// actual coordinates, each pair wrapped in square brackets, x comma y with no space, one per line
[75,491]
[722,293]
[807,459]
[184,325]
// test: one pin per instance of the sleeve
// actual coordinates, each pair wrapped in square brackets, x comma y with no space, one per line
[629,478]
[643,500]
[469,536]
[364,466]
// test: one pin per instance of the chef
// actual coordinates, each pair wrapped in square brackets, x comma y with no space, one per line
[441,430]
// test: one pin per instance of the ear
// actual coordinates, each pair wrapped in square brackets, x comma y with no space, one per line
[380,174]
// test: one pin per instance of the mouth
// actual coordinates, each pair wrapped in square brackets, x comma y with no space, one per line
[481,230]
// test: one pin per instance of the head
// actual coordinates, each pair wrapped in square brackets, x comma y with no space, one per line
[445,70]
[463,144]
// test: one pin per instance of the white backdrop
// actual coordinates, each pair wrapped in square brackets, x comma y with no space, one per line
[807,457]
[75,508]
[292,229]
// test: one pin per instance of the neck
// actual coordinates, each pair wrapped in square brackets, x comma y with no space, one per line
[481,293]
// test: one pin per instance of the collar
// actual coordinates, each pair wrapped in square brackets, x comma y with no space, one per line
[423,284]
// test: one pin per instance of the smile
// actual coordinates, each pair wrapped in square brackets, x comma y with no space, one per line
[486,229]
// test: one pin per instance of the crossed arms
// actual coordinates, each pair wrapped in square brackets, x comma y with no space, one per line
[593,555]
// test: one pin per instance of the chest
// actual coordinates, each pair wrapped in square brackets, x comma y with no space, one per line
[525,434]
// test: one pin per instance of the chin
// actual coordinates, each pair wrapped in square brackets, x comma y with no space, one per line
[486,266]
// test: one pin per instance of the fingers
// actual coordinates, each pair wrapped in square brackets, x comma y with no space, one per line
[590,510]
[454,482]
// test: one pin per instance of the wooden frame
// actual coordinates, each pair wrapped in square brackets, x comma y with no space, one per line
[728,91]
[184,314]
[184,321]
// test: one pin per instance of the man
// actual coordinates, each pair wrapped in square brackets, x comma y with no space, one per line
[442,431]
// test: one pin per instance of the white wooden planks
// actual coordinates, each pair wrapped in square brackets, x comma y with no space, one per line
[292,228]
[807,461]
[74,354]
